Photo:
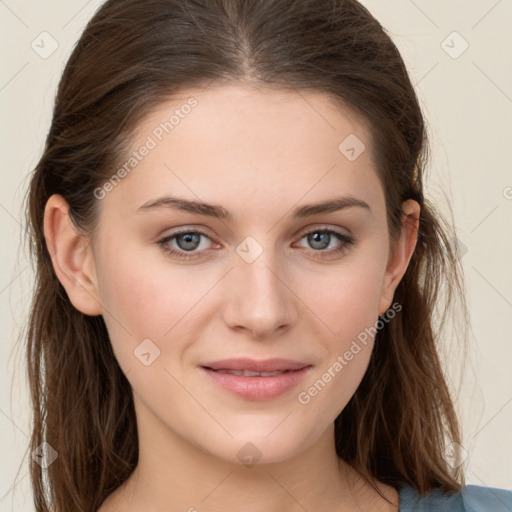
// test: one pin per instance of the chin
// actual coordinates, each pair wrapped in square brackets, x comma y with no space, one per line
[259,447]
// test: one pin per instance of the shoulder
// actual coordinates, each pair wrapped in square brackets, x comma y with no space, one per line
[472,498]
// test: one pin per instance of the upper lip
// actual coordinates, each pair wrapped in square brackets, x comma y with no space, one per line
[267,365]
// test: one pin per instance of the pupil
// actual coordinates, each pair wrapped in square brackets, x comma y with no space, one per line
[189,238]
[317,238]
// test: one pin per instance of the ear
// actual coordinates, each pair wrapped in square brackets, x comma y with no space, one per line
[72,257]
[400,253]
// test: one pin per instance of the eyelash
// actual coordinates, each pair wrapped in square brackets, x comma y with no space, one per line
[346,239]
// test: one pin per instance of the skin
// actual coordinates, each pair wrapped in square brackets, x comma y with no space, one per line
[259,154]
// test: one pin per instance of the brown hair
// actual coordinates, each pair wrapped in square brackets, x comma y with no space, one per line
[132,56]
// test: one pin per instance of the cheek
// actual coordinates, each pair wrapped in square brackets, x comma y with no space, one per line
[350,310]
[145,297]
[347,303]
[347,300]
[326,395]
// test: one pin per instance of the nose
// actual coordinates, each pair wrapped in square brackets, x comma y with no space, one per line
[258,298]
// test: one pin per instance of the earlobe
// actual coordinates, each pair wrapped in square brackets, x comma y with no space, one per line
[71,256]
[401,254]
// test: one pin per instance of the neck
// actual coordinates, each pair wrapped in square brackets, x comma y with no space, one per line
[172,474]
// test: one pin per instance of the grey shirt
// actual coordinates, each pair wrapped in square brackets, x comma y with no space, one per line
[472,498]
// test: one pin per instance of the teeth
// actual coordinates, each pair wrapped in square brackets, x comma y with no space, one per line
[249,373]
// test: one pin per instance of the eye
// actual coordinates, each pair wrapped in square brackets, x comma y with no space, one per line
[320,239]
[187,240]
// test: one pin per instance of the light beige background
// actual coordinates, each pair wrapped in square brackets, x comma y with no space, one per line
[468,105]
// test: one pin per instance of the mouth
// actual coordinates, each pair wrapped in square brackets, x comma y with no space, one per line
[250,373]
[246,364]
[251,384]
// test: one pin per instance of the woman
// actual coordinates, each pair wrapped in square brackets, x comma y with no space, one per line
[238,269]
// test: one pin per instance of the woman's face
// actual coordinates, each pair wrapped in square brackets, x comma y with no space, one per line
[260,274]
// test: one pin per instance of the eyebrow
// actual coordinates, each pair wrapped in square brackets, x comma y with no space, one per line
[219,212]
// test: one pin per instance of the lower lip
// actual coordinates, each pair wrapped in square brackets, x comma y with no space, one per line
[258,388]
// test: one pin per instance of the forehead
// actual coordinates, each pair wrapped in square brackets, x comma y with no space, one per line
[246,114]
[227,143]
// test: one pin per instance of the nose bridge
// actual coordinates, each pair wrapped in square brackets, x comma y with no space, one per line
[258,298]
